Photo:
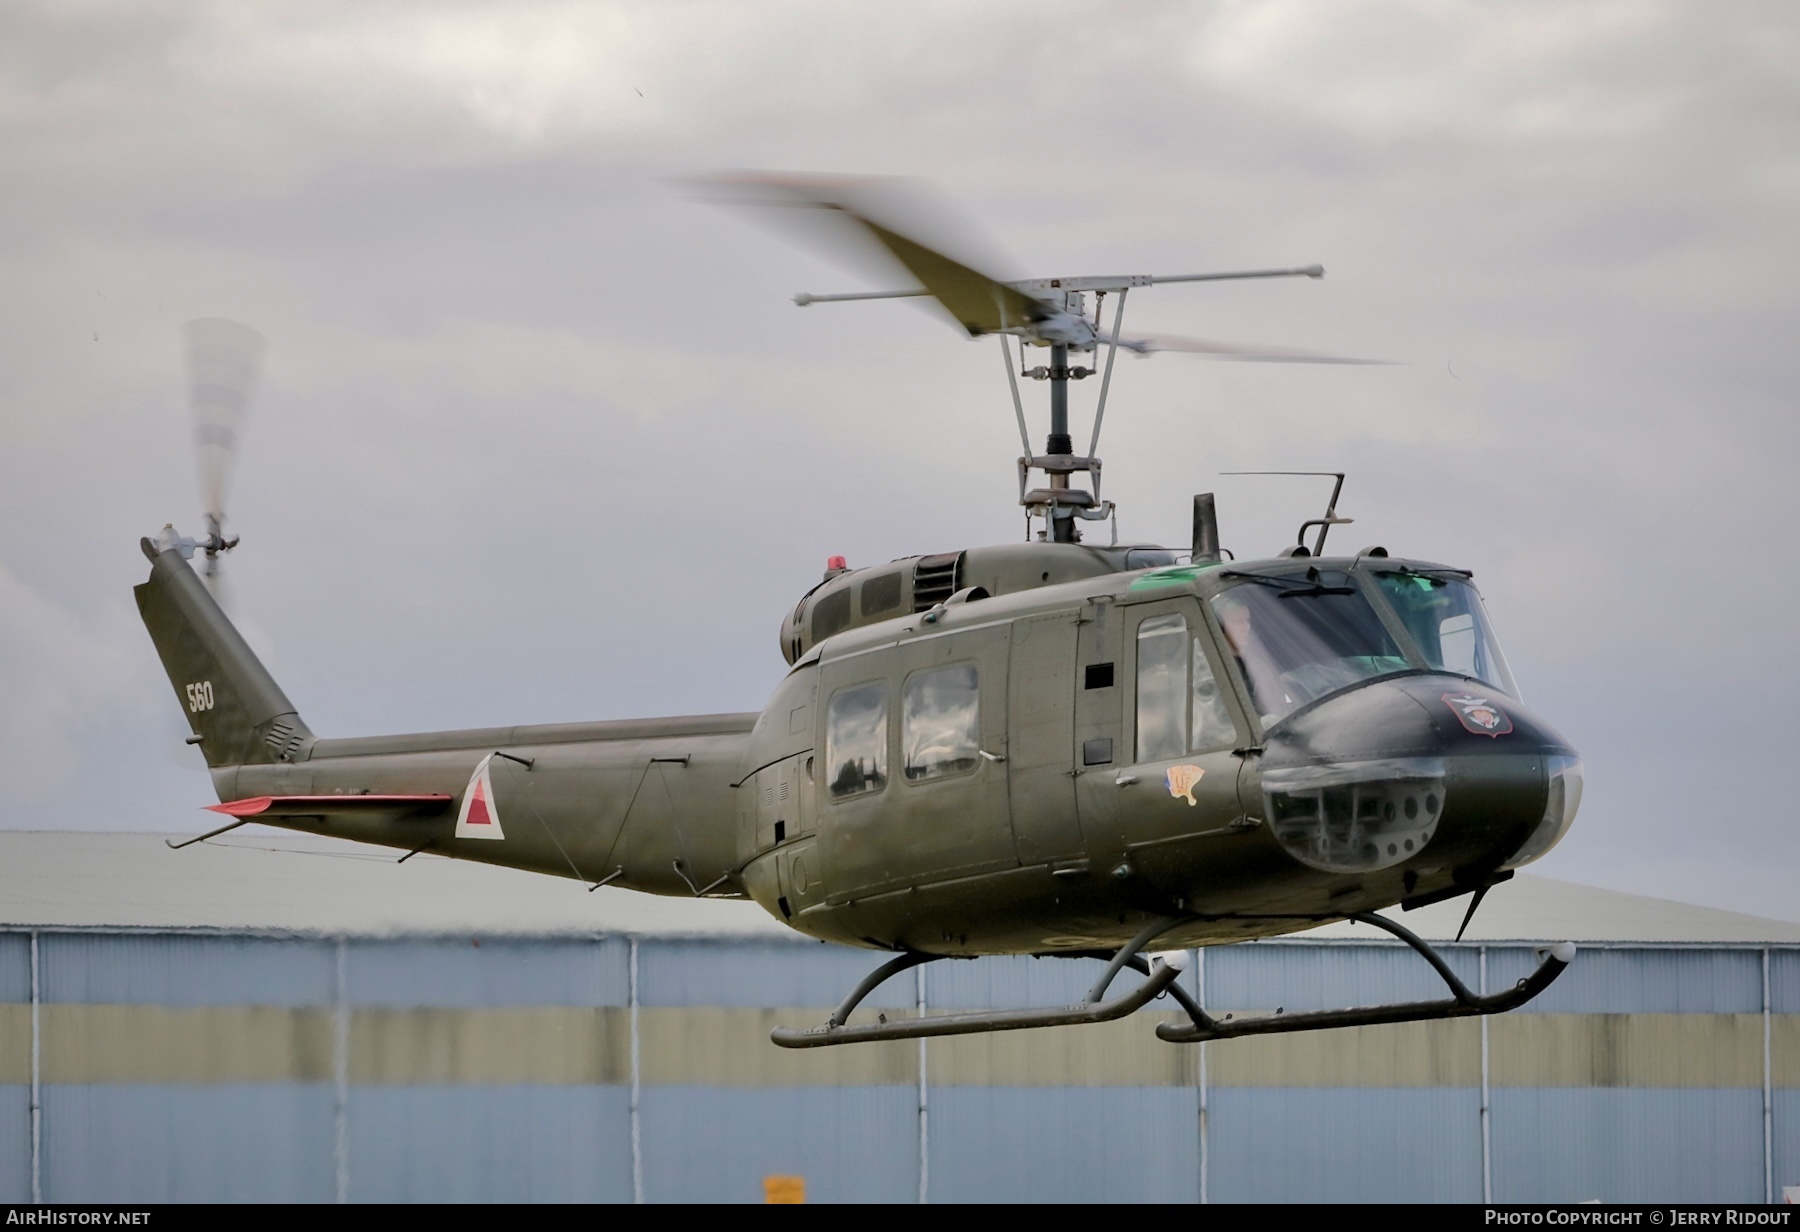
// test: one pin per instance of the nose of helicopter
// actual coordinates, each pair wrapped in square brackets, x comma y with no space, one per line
[1378,775]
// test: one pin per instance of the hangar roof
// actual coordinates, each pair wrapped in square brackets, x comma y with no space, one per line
[270,880]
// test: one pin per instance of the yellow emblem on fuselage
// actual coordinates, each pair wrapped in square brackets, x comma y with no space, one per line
[1182,780]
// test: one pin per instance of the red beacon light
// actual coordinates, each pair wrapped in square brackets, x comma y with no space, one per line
[835,563]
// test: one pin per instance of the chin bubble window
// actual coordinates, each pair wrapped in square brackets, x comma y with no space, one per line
[940,722]
[856,727]
[1355,817]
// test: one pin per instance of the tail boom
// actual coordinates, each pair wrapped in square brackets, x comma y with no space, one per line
[644,804]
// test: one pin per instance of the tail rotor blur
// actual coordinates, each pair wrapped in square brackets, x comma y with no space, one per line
[223,359]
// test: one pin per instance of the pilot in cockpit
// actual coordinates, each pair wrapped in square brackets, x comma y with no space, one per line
[1267,692]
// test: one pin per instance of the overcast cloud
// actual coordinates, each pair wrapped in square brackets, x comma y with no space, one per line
[541,438]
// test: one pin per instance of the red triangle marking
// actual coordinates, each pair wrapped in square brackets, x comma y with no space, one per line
[479,815]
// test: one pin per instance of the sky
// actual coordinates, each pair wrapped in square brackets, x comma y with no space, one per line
[541,437]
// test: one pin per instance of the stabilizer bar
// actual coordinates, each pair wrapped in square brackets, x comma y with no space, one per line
[1462,1003]
[1163,972]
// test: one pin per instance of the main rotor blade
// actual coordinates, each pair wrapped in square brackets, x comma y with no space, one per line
[979,302]
[1150,344]
[981,305]
[223,358]
[1124,282]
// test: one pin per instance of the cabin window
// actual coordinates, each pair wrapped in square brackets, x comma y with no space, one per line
[856,745]
[830,614]
[880,594]
[940,721]
[1179,707]
[1162,688]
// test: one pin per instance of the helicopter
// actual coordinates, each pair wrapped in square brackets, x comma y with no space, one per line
[1048,747]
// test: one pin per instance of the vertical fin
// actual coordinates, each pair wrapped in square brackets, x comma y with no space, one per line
[232,704]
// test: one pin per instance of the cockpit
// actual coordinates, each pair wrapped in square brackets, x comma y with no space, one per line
[1303,635]
[1367,750]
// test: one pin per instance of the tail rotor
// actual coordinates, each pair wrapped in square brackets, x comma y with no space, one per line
[223,359]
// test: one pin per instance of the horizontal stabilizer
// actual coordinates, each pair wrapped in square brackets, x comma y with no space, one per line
[313,806]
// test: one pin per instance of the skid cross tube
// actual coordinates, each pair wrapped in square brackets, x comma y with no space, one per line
[1161,976]
[1462,1002]
[875,979]
[1150,932]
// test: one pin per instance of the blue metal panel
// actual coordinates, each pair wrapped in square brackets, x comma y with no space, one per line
[15,967]
[170,969]
[1622,1144]
[1786,1139]
[467,973]
[15,1143]
[852,1144]
[761,973]
[1640,981]
[490,1144]
[1065,1144]
[1784,981]
[1299,1144]
[249,1143]
[1006,982]
[1320,977]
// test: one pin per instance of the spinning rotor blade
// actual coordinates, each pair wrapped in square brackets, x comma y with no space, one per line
[877,209]
[979,303]
[1150,344]
[223,358]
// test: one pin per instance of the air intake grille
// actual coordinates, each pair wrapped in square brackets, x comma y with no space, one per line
[283,741]
[936,578]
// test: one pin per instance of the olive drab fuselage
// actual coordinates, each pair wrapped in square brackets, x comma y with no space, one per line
[1037,761]
[1067,829]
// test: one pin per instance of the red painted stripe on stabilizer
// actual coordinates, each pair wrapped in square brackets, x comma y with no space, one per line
[255,805]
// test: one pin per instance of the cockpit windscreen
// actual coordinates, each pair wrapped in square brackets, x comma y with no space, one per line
[1444,615]
[1298,638]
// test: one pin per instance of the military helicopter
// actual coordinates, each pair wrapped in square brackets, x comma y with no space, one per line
[1046,747]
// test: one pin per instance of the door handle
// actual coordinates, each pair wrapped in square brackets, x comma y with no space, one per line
[1125,780]
[991,756]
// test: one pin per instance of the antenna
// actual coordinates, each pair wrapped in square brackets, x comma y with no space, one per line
[1325,523]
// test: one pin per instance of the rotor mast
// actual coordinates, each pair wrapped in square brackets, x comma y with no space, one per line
[1045,312]
[1061,503]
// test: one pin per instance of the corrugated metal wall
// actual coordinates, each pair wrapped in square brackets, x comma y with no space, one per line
[15,1068]
[188,1067]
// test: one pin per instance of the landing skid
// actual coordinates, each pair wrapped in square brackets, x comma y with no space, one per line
[1160,974]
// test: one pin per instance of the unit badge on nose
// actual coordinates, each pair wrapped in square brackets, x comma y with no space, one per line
[1182,780]
[1478,714]
[480,816]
